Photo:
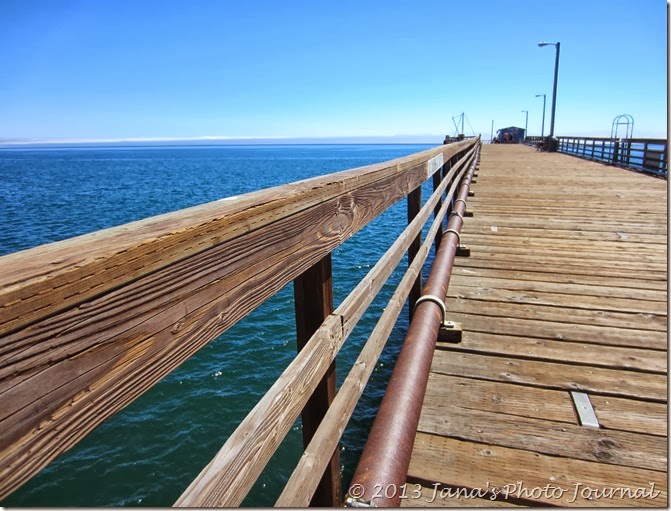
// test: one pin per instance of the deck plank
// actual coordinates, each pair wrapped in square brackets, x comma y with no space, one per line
[471,465]
[561,292]
[584,354]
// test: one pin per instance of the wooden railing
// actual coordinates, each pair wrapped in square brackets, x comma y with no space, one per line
[642,154]
[89,324]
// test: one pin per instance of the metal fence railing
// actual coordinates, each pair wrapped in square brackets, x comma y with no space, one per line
[640,154]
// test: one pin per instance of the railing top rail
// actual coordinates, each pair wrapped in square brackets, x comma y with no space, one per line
[80,268]
[633,140]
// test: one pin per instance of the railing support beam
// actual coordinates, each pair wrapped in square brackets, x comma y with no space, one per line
[414,206]
[437,178]
[313,297]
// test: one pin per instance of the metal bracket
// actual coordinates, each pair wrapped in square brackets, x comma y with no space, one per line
[454,231]
[450,331]
[437,301]
[357,502]
[468,213]
[471,193]
[463,251]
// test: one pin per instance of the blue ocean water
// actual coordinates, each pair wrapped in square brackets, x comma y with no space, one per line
[147,454]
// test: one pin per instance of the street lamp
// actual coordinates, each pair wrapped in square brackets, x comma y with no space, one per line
[543,124]
[526,126]
[554,93]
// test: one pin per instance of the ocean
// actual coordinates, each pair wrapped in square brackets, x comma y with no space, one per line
[148,453]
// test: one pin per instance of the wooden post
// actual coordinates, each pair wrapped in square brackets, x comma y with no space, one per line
[437,178]
[452,162]
[313,297]
[414,205]
[616,151]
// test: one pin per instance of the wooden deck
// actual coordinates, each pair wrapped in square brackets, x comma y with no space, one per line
[565,290]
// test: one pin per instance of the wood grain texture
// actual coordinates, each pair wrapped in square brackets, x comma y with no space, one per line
[477,465]
[559,299]
[544,436]
[581,354]
[544,274]
[570,288]
[551,375]
[536,315]
[631,415]
[502,398]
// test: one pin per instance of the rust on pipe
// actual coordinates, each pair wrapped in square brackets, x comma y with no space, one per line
[383,466]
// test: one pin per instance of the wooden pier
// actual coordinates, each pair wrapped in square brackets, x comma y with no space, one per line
[563,297]
[556,393]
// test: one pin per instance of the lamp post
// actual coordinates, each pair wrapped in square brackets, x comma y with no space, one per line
[554,94]
[543,124]
[526,126]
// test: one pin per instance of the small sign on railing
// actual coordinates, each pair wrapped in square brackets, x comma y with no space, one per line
[435,163]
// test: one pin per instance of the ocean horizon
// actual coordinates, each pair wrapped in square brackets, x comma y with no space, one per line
[27,143]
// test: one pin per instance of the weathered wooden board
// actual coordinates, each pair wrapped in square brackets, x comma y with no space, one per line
[631,237]
[519,473]
[551,286]
[596,255]
[499,397]
[574,265]
[543,436]
[597,355]
[616,246]
[609,304]
[487,260]
[597,380]
[631,415]
[597,217]
[569,224]
[637,321]
[556,275]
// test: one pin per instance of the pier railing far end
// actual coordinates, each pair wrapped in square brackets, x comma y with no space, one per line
[648,155]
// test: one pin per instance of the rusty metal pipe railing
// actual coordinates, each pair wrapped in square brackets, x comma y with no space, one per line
[383,466]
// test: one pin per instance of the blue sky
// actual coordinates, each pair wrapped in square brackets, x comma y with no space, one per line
[103,69]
